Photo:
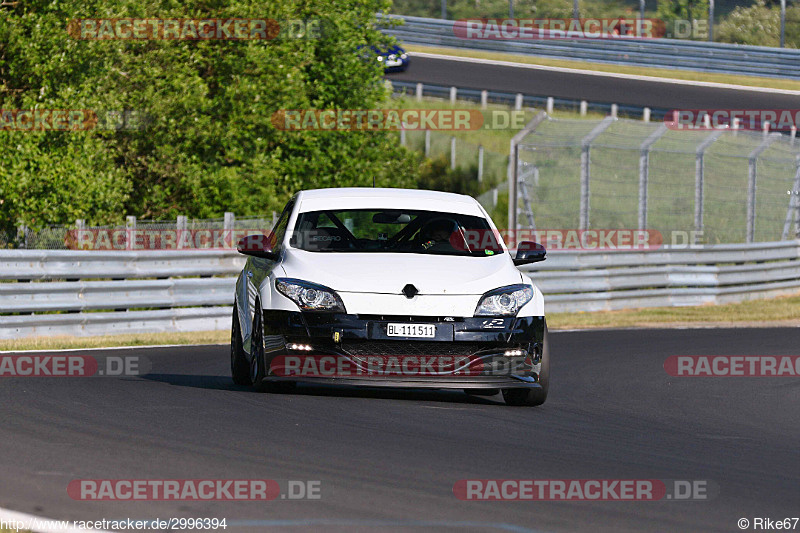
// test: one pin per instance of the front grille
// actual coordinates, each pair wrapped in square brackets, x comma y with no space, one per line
[420,348]
[407,318]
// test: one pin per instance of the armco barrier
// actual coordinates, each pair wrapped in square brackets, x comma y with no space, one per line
[63,292]
[664,53]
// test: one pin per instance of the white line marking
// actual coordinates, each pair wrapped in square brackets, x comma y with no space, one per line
[36,523]
[655,79]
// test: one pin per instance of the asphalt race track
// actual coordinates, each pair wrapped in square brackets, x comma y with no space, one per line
[391,458]
[601,89]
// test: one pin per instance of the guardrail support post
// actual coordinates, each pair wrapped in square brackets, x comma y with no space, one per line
[614,109]
[584,108]
[419,92]
[518,102]
[427,143]
[453,152]
[480,163]
[130,230]
[792,134]
[484,99]
[453,95]
[402,136]
[550,104]
[646,114]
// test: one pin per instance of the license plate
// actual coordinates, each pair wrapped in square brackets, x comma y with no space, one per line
[411,330]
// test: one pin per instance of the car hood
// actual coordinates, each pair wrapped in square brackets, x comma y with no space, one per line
[388,273]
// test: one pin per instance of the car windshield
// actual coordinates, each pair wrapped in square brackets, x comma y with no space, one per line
[395,231]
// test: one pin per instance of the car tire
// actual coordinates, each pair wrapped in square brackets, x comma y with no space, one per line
[255,368]
[240,370]
[533,397]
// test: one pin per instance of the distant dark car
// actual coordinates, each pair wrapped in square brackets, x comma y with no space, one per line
[394,58]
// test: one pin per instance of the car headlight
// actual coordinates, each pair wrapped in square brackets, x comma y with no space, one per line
[310,296]
[505,301]
[403,56]
[380,58]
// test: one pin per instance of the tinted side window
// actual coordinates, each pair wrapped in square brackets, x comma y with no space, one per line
[279,231]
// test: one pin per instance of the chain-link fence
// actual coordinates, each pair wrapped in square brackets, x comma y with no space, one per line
[728,186]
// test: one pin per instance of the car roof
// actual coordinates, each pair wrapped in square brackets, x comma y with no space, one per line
[387,198]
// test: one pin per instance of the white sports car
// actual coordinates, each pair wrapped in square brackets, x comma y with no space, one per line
[393,288]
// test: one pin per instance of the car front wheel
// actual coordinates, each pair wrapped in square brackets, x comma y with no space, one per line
[532,397]
[240,370]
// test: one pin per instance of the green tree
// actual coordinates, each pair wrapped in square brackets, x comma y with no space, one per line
[210,145]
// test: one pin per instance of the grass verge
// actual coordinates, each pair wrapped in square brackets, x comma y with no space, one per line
[750,81]
[779,312]
[131,339]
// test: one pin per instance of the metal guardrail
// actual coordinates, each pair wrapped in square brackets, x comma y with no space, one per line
[161,291]
[610,280]
[409,88]
[665,53]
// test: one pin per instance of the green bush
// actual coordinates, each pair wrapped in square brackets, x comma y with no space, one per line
[210,145]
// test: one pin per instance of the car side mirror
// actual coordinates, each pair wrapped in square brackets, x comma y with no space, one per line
[257,245]
[529,252]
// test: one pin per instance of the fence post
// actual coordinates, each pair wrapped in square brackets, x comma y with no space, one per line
[427,143]
[484,99]
[480,163]
[699,179]
[130,232]
[402,136]
[794,205]
[646,114]
[22,235]
[419,92]
[228,225]
[513,168]
[518,102]
[584,108]
[614,109]
[181,225]
[453,95]
[453,152]
[550,104]
[752,177]
[586,145]
[644,167]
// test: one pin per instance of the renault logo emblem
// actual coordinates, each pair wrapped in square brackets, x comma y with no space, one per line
[410,291]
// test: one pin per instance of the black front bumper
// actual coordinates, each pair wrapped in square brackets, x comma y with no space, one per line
[472,352]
